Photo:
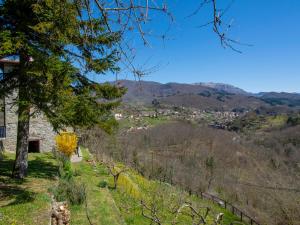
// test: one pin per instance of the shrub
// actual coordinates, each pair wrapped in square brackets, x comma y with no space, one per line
[65,167]
[71,191]
[66,143]
[103,184]
[129,186]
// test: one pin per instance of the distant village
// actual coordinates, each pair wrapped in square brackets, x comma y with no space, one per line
[216,119]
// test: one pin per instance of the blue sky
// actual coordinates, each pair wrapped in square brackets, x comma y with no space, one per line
[195,54]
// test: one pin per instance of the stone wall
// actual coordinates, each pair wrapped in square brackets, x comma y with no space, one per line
[39,128]
[11,122]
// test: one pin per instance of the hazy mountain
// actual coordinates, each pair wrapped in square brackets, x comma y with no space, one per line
[213,96]
[224,87]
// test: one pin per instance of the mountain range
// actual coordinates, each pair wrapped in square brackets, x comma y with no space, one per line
[212,96]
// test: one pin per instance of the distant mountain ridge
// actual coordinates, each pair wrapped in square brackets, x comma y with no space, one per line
[212,96]
[224,87]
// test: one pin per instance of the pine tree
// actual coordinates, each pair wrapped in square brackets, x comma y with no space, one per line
[58,45]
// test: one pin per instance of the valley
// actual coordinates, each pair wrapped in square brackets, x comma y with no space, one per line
[160,112]
[247,154]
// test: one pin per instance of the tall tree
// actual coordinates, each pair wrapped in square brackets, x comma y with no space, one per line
[58,45]
[59,42]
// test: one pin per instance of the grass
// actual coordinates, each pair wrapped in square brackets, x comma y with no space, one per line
[152,121]
[144,121]
[253,122]
[275,121]
[28,202]
[165,197]
[100,204]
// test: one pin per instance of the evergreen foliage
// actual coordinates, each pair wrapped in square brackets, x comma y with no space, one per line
[58,46]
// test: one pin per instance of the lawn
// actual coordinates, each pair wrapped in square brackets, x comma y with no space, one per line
[27,202]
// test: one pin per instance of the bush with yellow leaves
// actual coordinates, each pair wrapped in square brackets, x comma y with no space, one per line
[141,181]
[129,186]
[66,143]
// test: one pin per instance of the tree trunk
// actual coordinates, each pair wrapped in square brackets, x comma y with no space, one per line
[21,161]
[1,149]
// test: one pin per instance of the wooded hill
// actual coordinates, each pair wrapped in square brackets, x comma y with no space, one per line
[206,96]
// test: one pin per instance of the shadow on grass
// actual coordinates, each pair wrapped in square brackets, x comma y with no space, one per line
[15,195]
[11,190]
[6,166]
[38,167]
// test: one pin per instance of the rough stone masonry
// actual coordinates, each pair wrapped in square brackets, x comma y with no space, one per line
[41,133]
[40,130]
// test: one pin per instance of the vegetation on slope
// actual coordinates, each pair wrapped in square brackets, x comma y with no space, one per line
[258,172]
[29,202]
[252,122]
[161,201]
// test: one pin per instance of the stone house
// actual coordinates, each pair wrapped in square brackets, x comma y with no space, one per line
[41,133]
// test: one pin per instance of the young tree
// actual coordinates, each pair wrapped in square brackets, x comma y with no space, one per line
[115,172]
[58,45]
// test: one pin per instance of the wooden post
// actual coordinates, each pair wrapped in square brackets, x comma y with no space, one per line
[241,216]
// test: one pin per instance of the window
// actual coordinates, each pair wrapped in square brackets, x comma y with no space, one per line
[2,132]
[2,119]
[1,74]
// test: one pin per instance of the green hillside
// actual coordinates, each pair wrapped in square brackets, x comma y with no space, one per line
[29,202]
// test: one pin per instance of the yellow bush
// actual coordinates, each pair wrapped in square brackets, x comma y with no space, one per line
[66,143]
[141,181]
[129,186]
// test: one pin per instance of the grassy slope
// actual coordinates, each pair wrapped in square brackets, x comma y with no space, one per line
[144,121]
[165,196]
[29,202]
[101,206]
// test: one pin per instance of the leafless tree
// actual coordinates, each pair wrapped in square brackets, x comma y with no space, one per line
[198,217]
[242,174]
[195,214]
[152,213]
[115,172]
[133,19]
[220,26]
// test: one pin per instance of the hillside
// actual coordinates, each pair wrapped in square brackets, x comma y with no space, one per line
[256,167]
[29,202]
[205,96]
[282,98]
[224,87]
